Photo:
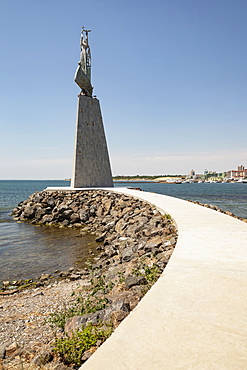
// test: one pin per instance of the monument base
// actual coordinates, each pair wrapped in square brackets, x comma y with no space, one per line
[91,160]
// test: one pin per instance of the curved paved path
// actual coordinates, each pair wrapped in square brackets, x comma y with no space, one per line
[195,315]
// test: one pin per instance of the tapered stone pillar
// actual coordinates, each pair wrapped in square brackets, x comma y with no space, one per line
[91,160]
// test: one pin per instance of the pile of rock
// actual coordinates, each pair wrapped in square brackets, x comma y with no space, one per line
[128,227]
[134,242]
[217,209]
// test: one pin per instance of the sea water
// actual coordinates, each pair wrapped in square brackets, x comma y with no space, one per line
[230,197]
[27,251]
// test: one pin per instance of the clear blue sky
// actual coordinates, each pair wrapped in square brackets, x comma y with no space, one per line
[170,76]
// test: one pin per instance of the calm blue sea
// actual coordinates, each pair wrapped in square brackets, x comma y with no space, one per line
[230,197]
[27,251]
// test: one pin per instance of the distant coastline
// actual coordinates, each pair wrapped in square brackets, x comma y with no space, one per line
[175,179]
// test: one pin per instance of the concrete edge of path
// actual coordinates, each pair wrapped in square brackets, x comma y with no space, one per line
[194,317]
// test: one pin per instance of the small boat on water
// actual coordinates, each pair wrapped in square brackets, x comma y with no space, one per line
[244,181]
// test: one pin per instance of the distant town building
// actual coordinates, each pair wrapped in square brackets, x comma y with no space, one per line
[213,175]
[192,173]
[241,172]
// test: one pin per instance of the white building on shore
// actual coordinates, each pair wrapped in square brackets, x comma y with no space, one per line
[241,172]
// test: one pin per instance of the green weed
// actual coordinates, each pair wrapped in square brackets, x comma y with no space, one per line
[71,349]
[121,277]
[167,216]
[89,302]
[81,306]
[151,273]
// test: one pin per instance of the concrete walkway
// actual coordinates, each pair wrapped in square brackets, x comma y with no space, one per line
[195,316]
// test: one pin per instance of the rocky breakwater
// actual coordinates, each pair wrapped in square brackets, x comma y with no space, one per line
[135,243]
[128,228]
[217,209]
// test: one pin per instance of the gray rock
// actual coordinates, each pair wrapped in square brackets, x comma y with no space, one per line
[130,297]
[120,226]
[122,205]
[77,322]
[12,349]
[127,254]
[51,202]
[3,350]
[59,366]
[107,204]
[118,305]
[48,210]
[42,358]
[37,197]
[155,240]
[37,294]
[117,317]
[93,210]
[101,237]
[67,213]
[74,277]
[74,218]
[141,220]
[141,245]
[17,211]
[86,355]
[44,277]
[46,219]
[39,213]
[155,251]
[134,280]
[62,207]
[161,264]
[28,212]
[64,273]
[84,215]
[172,241]
[149,247]
[109,226]
[110,251]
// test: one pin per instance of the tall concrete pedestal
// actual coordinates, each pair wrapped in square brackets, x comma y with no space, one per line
[91,160]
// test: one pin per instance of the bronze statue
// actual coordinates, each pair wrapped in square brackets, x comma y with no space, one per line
[83,72]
